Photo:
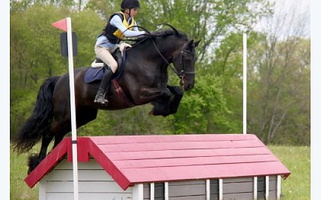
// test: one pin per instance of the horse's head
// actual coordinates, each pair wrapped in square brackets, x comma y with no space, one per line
[184,64]
[173,46]
[184,60]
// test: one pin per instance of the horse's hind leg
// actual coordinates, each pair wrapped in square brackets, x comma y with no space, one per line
[84,115]
[59,128]
[59,125]
[36,159]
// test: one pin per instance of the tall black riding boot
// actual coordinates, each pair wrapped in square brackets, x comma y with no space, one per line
[103,88]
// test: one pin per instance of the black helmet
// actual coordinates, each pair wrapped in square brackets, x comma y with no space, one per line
[129,4]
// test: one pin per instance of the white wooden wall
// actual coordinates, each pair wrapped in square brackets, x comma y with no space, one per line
[94,183]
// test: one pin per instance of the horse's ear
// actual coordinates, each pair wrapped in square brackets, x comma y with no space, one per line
[190,45]
[196,43]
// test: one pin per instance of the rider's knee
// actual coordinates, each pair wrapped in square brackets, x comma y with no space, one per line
[113,66]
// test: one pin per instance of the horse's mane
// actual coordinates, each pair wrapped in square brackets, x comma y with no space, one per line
[166,32]
[160,33]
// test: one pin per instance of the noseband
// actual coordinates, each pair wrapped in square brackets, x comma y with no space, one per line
[182,54]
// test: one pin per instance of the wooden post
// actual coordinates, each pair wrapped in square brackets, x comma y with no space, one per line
[166,191]
[267,187]
[152,191]
[278,192]
[208,189]
[138,192]
[220,188]
[255,188]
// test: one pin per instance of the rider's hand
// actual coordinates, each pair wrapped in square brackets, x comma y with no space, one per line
[123,46]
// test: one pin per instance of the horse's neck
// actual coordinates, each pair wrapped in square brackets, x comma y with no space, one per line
[168,46]
[160,50]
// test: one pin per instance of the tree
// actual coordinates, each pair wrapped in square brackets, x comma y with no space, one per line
[279,80]
[35,52]
[210,107]
[210,21]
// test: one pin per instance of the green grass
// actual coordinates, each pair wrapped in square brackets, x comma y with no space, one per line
[295,187]
[297,160]
[19,190]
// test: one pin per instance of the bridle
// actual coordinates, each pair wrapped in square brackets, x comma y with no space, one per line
[182,55]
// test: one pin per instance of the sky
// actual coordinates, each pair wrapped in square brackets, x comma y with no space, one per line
[289,14]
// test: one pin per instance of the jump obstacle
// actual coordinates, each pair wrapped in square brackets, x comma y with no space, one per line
[162,167]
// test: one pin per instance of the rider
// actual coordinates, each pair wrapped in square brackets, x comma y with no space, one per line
[119,26]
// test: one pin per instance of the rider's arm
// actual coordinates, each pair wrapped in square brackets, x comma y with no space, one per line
[116,21]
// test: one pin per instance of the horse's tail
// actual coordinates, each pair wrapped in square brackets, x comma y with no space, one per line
[40,120]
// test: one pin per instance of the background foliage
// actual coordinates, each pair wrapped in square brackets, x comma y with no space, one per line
[278,74]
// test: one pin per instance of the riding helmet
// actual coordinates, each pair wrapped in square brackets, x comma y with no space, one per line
[129,4]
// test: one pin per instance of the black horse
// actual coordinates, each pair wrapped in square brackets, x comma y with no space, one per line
[144,80]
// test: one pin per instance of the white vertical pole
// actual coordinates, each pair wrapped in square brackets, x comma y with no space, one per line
[208,189]
[166,191]
[72,109]
[244,83]
[255,188]
[152,191]
[278,190]
[267,187]
[220,188]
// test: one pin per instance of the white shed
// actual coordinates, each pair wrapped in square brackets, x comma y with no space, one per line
[170,167]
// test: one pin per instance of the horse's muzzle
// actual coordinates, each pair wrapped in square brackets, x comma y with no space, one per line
[186,85]
[189,87]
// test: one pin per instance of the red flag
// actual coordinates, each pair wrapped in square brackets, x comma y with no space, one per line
[61,24]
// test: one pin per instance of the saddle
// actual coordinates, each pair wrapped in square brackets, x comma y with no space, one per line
[97,69]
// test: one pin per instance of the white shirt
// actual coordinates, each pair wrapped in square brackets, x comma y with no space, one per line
[116,21]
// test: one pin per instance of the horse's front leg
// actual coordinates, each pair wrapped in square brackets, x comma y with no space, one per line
[177,95]
[147,95]
[165,106]
[168,104]
[159,97]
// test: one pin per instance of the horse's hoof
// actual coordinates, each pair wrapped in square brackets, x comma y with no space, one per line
[33,162]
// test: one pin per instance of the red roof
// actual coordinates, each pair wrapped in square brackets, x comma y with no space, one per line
[163,158]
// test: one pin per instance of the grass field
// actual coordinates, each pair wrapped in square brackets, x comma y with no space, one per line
[297,160]
[295,187]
